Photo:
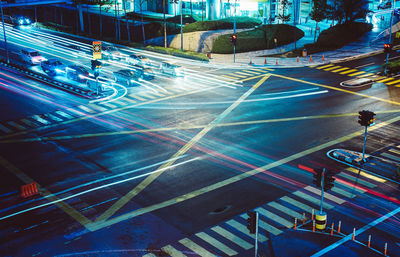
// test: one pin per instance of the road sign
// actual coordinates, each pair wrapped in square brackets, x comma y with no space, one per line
[96,49]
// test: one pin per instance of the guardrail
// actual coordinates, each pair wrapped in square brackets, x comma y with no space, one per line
[52,82]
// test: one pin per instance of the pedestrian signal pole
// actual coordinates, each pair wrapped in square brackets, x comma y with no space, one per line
[366,119]
[252,225]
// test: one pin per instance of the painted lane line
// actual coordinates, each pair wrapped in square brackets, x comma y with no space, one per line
[16,125]
[312,199]
[364,65]
[354,179]
[172,251]
[390,156]
[342,192]
[5,129]
[63,114]
[367,175]
[243,229]
[298,204]
[55,118]
[332,68]
[40,120]
[340,69]
[36,225]
[97,204]
[357,232]
[385,80]
[348,71]
[142,185]
[217,244]
[196,248]
[86,109]
[232,237]
[393,82]
[394,151]
[357,73]
[324,66]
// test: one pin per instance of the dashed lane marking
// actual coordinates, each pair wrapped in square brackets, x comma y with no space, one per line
[63,114]
[196,248]
[341,69]
[232,237]
[172,251]
[393,82]
[324,66]
[40,120]
[348,71]
[15,125]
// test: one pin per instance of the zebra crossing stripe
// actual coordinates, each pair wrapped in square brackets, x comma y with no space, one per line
[268,69]
[312,199]
[354,179]
[29,123]
[235,239]
[251,72]
[269,228]
[354,74]
[349,187]
[5,129]
[149,255]
[387,155]
[366,75]
[15,125]
[393,82]
[98,107]
[297,203]
[137,97]
[244,230]
[274,217]
[326,195]
[86,109]
[130,100]
[367,175]
[384,80]
[55,118]
[237,75]
[394,151]
[66,115]
[229,77]
[172,251]
[195,247]
[341,69]
[325,66]
[146,95]
[243,73]
[342,192]
[286,210]
[40,120]
[109,105]
[217,244]
[348,71]
[155,93]
[332,68]
[120,102]
[398,146]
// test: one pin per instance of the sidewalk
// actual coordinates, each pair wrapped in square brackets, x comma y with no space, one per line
[360,47]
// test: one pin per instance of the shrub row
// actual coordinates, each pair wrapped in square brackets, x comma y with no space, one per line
[241,23]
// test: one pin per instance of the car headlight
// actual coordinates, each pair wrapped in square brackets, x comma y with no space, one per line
[21,21]
[58,70]
[27,20]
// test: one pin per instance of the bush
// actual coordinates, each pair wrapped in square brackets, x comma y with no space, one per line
[258,39]
[241,23]
[342,34]
[393,67]
[177,52]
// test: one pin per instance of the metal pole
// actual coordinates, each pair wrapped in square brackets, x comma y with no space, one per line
[365,140]
[181,29]
[234,52]
[97,85]
[234,45]
[165,26]
[4,31]
[256,241]
[390,39]
[322,190]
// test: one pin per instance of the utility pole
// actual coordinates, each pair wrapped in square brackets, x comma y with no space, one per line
[390,39]
[181,27]
[165,25]
[4,31]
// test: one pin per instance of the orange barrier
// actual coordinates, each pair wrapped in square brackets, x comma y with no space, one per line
[265,61]
[298,59]
[251,63]
[29,190]
[323,57]
[332,229]
[338,230]
[369,241]
[313,226]
[295,223]
[310,58]
[312,214]
[354,234]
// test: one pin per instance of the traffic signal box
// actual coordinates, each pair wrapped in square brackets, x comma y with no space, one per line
[317,177]
[96,66]
[251,222]
[234,39]
[387,48]
[366,118]
[328,179]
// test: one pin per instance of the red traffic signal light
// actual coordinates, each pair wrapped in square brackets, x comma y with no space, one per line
[233,39]
[387,48]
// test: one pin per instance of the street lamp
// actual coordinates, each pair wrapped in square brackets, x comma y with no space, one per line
[4,31]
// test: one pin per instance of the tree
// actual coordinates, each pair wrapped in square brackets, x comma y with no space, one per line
[353,9]
[284,6]
[318,13]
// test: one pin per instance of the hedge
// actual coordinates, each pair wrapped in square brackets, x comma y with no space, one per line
[241,23]
[258,39]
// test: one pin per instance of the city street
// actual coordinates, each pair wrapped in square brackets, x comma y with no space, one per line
[169,166]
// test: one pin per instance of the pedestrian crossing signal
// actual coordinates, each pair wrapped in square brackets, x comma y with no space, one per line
[366,118]
[318,177]
[328,180]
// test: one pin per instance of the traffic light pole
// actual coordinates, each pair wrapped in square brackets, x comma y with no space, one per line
[234,45]
[4,31]
[365,141]
[322,190]
[256,241]
[390,42]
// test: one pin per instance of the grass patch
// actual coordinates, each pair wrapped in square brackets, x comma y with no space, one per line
[241,23]
[177,52]
[258,39]
[393,67]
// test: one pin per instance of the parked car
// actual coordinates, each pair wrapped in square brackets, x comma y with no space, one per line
[134,59]
[111,52]
[171,68]
[53,67]
[20,20]
[385,5]
[77,73]
[128,77]
[31,56]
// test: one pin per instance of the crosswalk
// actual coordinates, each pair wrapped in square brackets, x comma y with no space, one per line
[351,72]
[232,238]
[59,116]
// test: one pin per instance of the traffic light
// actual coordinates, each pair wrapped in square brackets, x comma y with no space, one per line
[366,118]
[328,180]
[318,177]
[251,221]
[387,48]
[233,39]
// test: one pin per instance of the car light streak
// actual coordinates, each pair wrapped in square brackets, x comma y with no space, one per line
[96,188]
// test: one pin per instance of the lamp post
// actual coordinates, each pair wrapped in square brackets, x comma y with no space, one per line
[4,31]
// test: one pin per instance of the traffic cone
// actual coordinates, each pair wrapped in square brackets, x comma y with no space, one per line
[304,218]
[298,59]
[323,58]
[369,241]
[385,250]
[340,224]
[310,58]
[265,61]
[276,63]
[250,63]
[332,229]
[354,234]
[295,223]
